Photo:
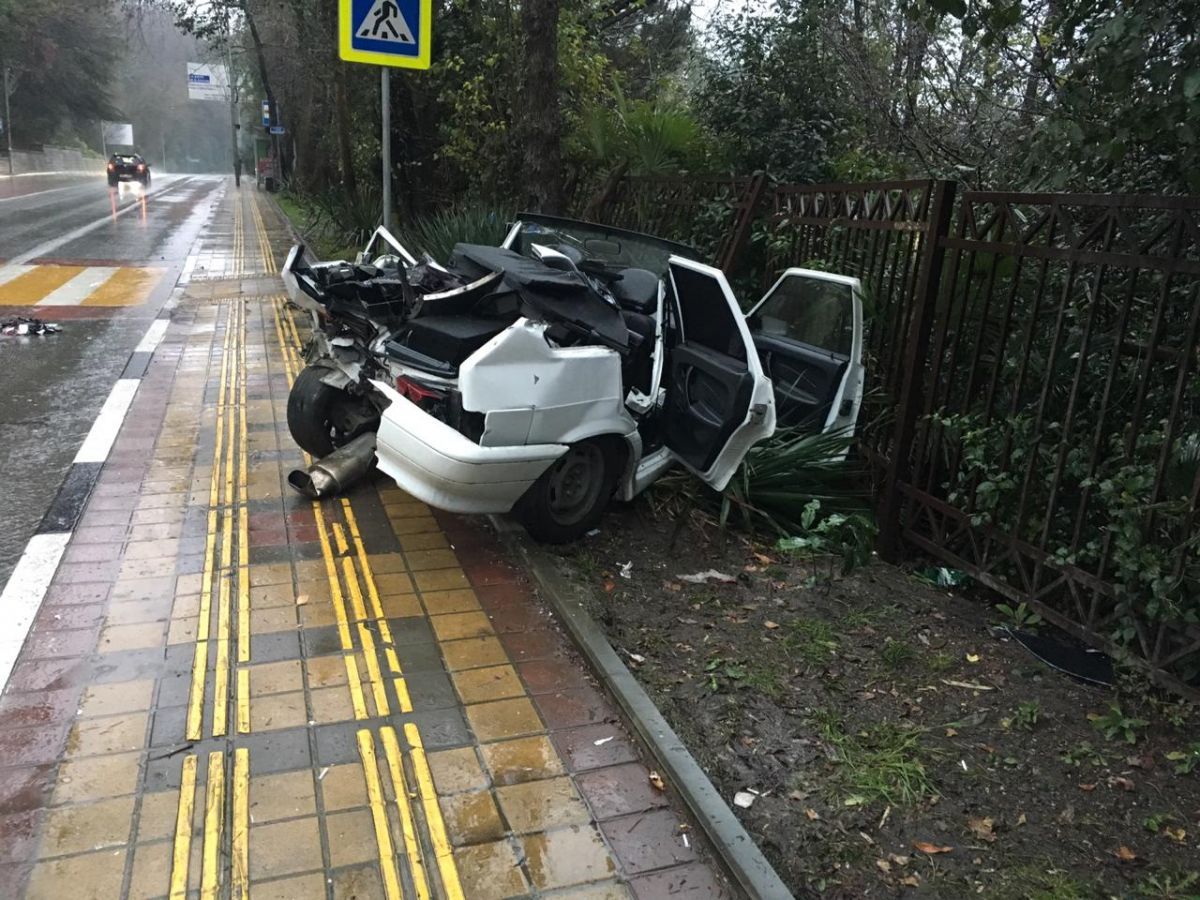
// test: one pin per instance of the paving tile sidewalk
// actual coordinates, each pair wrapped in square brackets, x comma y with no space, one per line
[230,690]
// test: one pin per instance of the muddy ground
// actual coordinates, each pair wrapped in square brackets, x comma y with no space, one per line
[897,745]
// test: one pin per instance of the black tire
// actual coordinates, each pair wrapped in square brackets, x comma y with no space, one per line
[315,413]
[571,496]
[113,182]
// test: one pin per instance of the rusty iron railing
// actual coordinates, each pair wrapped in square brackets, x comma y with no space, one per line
[1033,412]
[711,213]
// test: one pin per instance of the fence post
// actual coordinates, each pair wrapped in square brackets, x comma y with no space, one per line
[912,378]
[742,224]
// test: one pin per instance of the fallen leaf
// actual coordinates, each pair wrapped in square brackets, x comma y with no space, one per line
[950,732]
[657,780]
[673,586]
[301,599]
[982,828]
[1087,787]
[1178,835]
[931,849]
[1124,854]
[973,657]
[609,586]
[899,860]
[913,880]
[884,865]
[813,815]
[1021,820]
[764,559]
[969,685]
[1125,784]
[797,795]
[707,576]
[769,625]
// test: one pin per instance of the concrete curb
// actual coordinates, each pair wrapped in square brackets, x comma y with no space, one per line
[743,861]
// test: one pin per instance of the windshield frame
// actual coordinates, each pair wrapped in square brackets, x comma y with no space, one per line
[667,247]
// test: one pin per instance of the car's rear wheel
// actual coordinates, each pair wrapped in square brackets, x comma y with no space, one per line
[321,417]
[571,496]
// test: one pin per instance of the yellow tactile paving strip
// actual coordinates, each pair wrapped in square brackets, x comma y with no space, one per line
[348,698]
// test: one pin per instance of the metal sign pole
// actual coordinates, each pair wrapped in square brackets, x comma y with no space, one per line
[7,119]
[385,90]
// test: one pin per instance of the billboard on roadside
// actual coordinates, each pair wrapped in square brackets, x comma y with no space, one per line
[118,134]
[207,81]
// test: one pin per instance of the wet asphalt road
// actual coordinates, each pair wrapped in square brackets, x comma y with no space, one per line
[52,387]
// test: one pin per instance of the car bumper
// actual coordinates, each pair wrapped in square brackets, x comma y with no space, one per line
[440,467]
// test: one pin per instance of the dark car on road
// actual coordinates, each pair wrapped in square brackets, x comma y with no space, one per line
[128,167]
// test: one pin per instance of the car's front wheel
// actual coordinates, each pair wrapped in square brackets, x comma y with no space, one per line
[569,498]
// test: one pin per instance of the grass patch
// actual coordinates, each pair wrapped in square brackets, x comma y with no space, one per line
[881,763]
[897,654]
[811,640]
[940,661]
[1042,882]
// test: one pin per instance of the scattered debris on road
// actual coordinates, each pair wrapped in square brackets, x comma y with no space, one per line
[25,325]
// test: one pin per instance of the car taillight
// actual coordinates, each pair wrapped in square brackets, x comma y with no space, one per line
[111,166]
[141,167]
[406,387]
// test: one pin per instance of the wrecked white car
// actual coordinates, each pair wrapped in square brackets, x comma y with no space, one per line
[574,364]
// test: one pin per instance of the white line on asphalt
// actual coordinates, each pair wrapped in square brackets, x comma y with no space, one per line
[154,334]
[54,243]
[79,287]
[104,430]
[186,275]
[8,273]
[22,596]
[41,193]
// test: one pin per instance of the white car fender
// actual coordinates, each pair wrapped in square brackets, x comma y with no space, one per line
[532,392]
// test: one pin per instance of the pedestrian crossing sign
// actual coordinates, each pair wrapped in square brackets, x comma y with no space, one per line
[386,32]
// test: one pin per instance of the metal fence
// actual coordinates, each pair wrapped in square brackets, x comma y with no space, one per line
[1033,412]
[1056,451]
[711,213]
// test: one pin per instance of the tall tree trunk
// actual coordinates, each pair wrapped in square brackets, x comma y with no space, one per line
[266,83]
[1041,64]
[540,115]
[341,102]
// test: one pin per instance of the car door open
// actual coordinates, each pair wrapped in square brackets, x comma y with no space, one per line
[808,330]
[718,400]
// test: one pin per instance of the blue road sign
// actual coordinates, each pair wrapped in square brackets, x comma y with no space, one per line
[386,32]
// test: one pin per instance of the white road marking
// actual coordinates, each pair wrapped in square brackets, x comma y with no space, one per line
[78,288]
[8,273]
[39,193]
[22,596]
[154,335]
[186,275]
[54,243]
[104,430]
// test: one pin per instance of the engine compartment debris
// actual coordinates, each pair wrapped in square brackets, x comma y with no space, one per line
[27,325]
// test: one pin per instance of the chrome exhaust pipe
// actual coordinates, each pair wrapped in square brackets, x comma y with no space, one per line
[337,471]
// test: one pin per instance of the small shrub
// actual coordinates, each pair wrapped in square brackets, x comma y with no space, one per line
[1186,761]
[1020,617]
[1027,715]
[1115,723]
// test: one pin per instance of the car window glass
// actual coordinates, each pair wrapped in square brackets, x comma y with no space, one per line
[811,311]
[707,318]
